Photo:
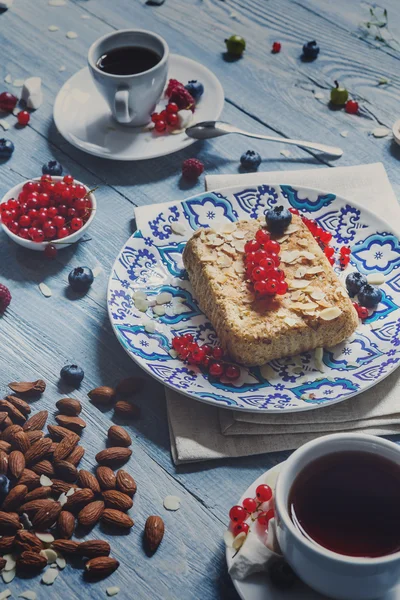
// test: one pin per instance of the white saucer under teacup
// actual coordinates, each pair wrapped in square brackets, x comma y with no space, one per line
[84,119]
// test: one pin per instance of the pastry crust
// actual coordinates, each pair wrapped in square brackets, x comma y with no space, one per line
[315,312]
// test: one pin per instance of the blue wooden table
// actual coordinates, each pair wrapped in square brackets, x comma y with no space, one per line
[38,335]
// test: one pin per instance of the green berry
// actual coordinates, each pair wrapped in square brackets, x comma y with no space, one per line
[339,95]
[235,45]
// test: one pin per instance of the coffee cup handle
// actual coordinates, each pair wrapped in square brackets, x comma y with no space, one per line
[121,104]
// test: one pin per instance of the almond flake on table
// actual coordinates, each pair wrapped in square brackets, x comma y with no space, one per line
[4,125]
[46,538]
[71,35]
[286,153]
[318,356]
[50,555]
[172,503]
[18,83]
[49,576]
[5,594]
[97,270]
[8,78]
[177,228]
[112,591]
[8,576]
[46,291]
[344,133]
[380,132]
[53,28]
[11,562]
[61,562]
[28,595]
[318,96]
[62,68]
[376,278]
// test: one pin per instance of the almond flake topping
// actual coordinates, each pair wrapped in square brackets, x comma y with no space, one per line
[301,271]
[307,255]
[214,240]
[303,306]
[228,227]
[282,239]
[297,295]
[376,278]
[291,321]
[239,267]
[328,314]
[293,227]
[224,261]
[238,541]
[314,270]
[8,576]
[238,234]
[298,284]
[317,294]
[289,256]
[239,245]
[302,243]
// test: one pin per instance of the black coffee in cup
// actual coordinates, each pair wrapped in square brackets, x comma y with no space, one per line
[349,502]
[128,60]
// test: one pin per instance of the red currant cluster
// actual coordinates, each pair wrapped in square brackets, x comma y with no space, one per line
[47,210]
[362,311]
[167,117]
[262,262]
[251,508]
[211,358]
[324,238]
[179,98]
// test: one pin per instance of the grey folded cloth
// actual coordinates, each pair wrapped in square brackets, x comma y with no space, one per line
[201,432]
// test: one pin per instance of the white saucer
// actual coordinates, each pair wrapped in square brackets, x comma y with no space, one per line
[258,586]
[84,119]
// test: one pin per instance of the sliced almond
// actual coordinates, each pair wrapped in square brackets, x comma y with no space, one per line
[224,261]
[214,240]
[307,255]
[289,256]
[291,321]
[239,234]
[239,244]
[239,267]
[318,356]
[238,541]
[159,310]
[317,294]
[298,284]
[314,270]
[228,227]
[301,271]
[172,503]
[376,278]
[228,538]
[177,228]
[328,314]
[164,298]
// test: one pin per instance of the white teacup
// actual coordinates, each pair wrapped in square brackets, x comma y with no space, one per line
[132,98]
[335,575]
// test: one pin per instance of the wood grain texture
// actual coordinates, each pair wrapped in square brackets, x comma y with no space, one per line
[265,93]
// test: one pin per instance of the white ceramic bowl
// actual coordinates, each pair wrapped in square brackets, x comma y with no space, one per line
[336,575]
[67,241]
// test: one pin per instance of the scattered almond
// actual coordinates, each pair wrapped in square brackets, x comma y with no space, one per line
[69,406]
[57,433]
[24,387]
[116,518]
[106,478]
[37,421]
[93,548]
[65,546]
[14,498]
[91,513]
[66,470]
[65,447]
[118,500]
[126,409]
[46,517]
[31,561]
[20,404]
[118,436]
[101,566]
[20,441]
[27,541]
[43,467]
[102,395]
[153,533]
[37,451]
[79,499]
[88,480]
[76,455]
[75,424]
[111,456]
[125,483]
[65,524]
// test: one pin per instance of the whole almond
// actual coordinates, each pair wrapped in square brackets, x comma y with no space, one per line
[16,463]
[33,506]
[3,462]
[27,541]
[118,436]
[46,517]
[3,416]
[67,471]
[126,409]
[76,455]
[30,479]
[6,423]
[129,386]
[15,415]
[86,479]
[106,478]
[118,500]
[20,441]
[37,421]
[52,449]
[31,561]
[57,433]
[90,514]
[37,451]
[34,435]
[65,546]
[102,395]
[93,548]
[28,387]
[8,523]
[6,543]
[69,406]
[79,499]
[75,424]
[15,497]
[153,533]
[20,404]
[5,446]
[125,483]
[40,493]
[43,467]
[65,524]
[112,456]
[101,567]
[65,447]
[116,518]
[60,486]
[9,432]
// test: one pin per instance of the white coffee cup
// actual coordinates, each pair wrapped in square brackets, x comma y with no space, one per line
[335,575]
[132,98]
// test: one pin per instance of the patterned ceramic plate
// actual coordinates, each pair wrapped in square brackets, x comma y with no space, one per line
[151,261]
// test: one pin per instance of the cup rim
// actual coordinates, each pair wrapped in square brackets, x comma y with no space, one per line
[284,513]
[92,61]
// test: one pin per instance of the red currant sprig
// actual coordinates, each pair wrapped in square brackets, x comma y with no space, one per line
[250,508]
[211,358]
[262,262]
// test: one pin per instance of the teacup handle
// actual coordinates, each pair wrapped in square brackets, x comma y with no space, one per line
[121,104]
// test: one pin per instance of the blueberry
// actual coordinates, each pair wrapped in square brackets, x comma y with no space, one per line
[354,283]
[281,575]
[6,148]
[80,279]
[72,374]
[369,296]
[195,89]
[278,218]
[250,160]
[4,487]
[310,50]
[52,168]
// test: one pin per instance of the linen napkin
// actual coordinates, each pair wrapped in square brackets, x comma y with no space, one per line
[201,432]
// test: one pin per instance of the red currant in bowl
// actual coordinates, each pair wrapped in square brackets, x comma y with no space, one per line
[32,217]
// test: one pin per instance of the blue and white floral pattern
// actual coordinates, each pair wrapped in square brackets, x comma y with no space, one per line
[151,261]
